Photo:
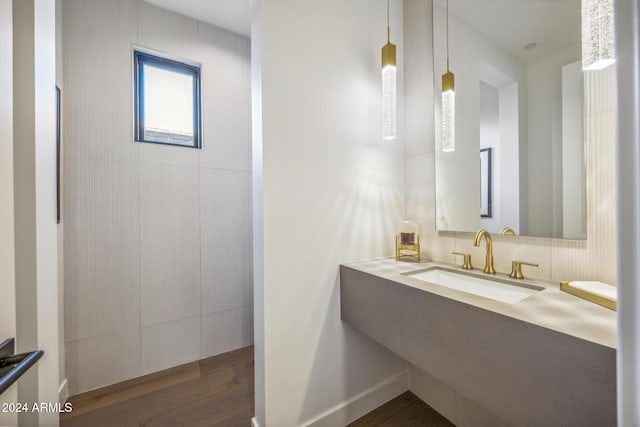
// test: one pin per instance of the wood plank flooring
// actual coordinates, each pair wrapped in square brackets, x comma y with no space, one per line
[405,410]
[213,392]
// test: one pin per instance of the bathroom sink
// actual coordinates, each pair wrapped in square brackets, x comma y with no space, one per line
[493,288]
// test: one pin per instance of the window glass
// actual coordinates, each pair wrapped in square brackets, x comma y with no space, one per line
[167,101]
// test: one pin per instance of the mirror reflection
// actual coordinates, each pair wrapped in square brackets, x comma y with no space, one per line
[518,158]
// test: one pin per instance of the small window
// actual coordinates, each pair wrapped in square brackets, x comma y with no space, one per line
[167,101]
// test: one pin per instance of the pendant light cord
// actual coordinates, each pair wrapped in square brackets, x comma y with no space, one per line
[447,36]
[388,27]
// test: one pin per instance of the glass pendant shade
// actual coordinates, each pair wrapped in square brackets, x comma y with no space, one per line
[389,91]
[448,127]
[598,38]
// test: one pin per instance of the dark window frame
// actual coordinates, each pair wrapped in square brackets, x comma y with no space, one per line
[139,59]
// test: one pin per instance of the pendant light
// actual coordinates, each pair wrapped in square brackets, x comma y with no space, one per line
[388,86]
[448,128]
[598,38]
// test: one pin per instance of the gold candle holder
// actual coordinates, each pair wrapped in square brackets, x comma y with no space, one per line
[408,241]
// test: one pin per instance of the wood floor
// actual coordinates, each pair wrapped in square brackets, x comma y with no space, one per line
[214,392]
[405,410]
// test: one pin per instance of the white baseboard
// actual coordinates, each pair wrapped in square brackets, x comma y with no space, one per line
[361,404]
[63,391]
[254,422]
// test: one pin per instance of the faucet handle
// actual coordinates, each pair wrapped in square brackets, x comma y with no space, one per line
[507,230]
[467,260]
[516,270]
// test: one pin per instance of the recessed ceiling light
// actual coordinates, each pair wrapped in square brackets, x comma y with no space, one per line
[530,46]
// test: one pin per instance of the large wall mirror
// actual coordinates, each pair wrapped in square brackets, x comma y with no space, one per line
[518,160]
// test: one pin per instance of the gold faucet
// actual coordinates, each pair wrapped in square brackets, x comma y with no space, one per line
[507,230]
[467,260]
[516,269]
[488,267]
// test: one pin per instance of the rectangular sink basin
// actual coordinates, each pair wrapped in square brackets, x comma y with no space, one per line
[494,289]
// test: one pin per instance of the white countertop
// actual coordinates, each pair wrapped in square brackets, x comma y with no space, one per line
[550,308]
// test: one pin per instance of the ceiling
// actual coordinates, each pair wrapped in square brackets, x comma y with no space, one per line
[513,24]
[232,15]
[551,24]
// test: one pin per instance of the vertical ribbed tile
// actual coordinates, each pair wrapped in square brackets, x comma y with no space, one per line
[536,250]
[97,93]
[107,359]
[599,91]
[76,250]
[115,245]
[226,122]
[170,243]
[169,32]
[226,330]
[170,344]
[595,258]
[226,280]
[102,283]
[132,211]
[75,97]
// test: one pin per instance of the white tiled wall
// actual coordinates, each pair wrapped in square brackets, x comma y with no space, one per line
[157,238]
[226,263]
[170,243]
[171,344]
[103,359]
[227,328]
[591,259]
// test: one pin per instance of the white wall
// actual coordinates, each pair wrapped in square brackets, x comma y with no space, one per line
[592,259]
[7,259]
[510,129]
[628,232]
[157,238]
[7,302]
[544,79]
[574,215]
[257,217]
[490,138]
[63,385]
[36,243]
[332,193]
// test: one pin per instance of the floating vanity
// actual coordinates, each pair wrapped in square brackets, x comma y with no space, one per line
[524,350]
